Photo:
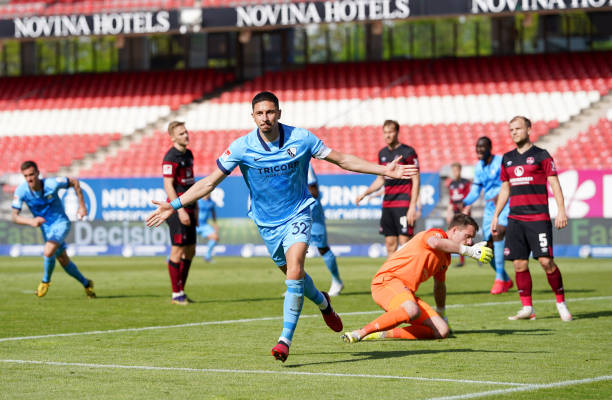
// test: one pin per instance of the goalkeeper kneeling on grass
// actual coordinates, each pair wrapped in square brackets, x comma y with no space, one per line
[395,284]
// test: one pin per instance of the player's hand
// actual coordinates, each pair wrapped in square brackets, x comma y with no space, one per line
[358,199]
[184,217]
[163,212]
[479,252]
[411,216]
[494,225]
[37,221]
[561,220]
[397,171]
[82,213]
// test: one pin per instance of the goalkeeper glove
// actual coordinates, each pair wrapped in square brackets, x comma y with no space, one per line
[479,252]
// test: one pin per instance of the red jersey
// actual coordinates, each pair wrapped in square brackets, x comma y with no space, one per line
[457,190]
[528,175]
[179,166]
[397,191]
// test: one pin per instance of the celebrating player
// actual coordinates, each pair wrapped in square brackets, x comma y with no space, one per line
[273,159]
[399,208]
[486,177]
[206,211]
[458,188]
[525,172]
[177,168]
[318,235]
[45,205]
[395,284]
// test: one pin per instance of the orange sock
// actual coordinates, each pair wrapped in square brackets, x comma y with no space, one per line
[411,332]
[387,321]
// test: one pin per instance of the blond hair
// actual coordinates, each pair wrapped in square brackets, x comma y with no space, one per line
[174,124]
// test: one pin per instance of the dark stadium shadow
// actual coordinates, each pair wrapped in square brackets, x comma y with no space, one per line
[590,315]
[126,296]
[548,291]
[470,292]
[252,300]
[381,355]
[503,332]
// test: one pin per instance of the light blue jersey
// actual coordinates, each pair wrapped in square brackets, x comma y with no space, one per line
[207,207]
[275,173]
[486,177]
[45,203]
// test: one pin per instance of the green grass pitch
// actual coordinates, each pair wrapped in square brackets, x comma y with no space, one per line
[131,343]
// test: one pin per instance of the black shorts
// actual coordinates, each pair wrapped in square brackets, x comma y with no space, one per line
[523,237]
[393,222]
[182,235]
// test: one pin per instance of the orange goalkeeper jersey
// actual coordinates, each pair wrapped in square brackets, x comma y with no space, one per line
[416,261]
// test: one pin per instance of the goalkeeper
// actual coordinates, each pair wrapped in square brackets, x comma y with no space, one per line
[395,284]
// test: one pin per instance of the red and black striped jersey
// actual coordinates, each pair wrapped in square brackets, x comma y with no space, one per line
[528,175]
[179,166]
[397,191]
[457,190]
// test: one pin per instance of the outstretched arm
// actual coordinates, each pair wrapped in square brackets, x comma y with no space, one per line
[200,189]
[353,163]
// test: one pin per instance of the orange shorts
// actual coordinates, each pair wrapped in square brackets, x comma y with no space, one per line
[389,293]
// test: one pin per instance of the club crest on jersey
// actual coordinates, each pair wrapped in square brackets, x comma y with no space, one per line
[530,160]
[506,251]
[508,163]
[519,171]
[292,151]
[226,154]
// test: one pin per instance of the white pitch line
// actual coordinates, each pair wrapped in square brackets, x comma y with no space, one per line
[263,372]
[527,388]
[241,321]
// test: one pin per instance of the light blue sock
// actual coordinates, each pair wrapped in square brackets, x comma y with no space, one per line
[500,270]
[332,266]
[74,272]
[294,299]
[312,293]
[211,246]
[49,264]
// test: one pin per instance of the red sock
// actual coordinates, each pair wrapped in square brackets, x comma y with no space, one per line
[556,283]
[184,270]
[388,320]
[175,275]
[411,332]
[461,259]
[523,285]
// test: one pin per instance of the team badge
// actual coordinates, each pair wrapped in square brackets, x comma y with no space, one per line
[508,163]
[530,160]
[506,251]
[383,159]
[167,169]
[519,171]
[226,154]
[292,151]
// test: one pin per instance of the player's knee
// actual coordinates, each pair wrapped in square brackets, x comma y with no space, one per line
[412,309]
[442,331]
[548,264]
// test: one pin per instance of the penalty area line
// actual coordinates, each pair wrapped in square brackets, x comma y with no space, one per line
[261,372]
[246,320]
[526,388]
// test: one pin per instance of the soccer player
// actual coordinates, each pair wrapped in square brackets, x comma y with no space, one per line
[177,169]
[458,188]
[206,211]
[399,207]
[48,213]
[525,172]
[318,235]
[273,159]
[486,178]
[395,284]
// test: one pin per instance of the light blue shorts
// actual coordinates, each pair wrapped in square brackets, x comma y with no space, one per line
[280,238]
[488,217]
[318,235]
[205,230]
[56,232]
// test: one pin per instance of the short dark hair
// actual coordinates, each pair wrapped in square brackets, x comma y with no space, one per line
[265,96]
[456,164]
[28,164]
[485,139]
[393,123]
[463,220]
[525,119]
